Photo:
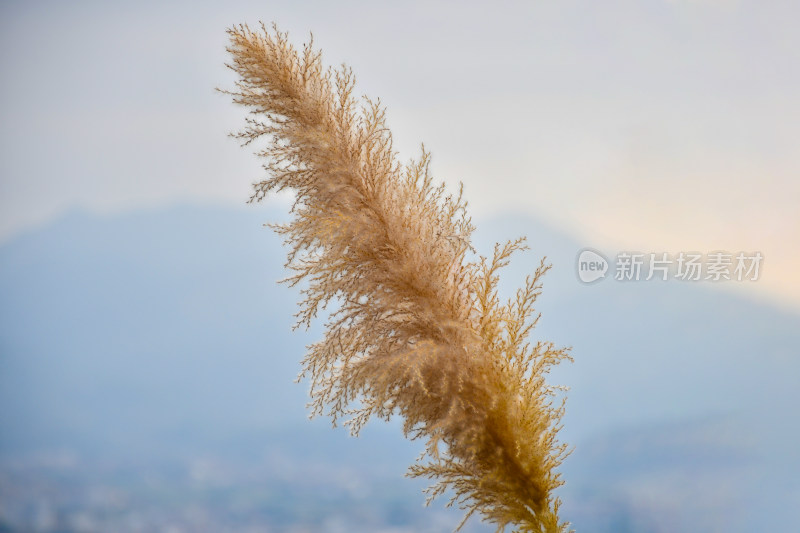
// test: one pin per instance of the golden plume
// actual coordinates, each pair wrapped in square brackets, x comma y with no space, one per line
[417,328]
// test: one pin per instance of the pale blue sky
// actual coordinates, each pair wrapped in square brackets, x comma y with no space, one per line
[657,125]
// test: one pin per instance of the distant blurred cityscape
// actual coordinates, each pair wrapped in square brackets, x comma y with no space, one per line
[62,493]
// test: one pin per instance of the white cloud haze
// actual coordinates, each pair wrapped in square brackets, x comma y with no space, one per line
[664,126]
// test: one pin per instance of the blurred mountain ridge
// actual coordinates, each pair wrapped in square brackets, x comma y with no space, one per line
[161,334]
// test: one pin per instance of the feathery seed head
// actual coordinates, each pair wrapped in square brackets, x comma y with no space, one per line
[418,329]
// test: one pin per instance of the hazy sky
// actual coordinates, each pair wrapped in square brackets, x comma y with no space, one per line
[651,125]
